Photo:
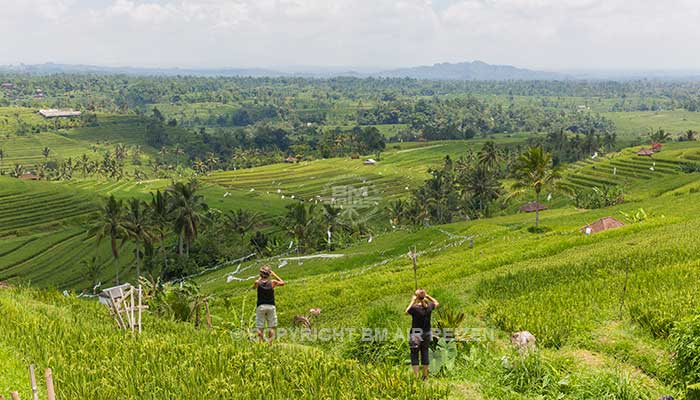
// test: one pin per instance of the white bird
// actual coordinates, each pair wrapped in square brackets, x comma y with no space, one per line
[370,239]
[291,244]
[615,171]
[292,196]
[549,197]
[651,168]
[279,190]
[595,155]
[252,189]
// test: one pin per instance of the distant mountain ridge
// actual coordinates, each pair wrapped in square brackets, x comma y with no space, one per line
[476,70]
[471,71]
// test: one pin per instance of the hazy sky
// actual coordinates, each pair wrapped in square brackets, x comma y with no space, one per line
[545,34]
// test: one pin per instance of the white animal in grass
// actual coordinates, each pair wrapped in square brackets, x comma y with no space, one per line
[227,194]
[523,340]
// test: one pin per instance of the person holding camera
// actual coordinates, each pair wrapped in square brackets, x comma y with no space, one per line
[266,312]
[420,336]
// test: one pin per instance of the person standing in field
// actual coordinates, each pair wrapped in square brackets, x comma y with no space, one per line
[266,312]
[420,336]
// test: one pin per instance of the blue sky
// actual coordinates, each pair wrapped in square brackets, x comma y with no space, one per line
[543,34]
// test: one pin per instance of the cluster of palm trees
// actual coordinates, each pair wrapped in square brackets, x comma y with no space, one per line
[111,165]
[469,187]
[322,226]
[179,210]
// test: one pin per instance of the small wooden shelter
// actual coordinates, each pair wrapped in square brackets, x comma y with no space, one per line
[290,160]
[28,176]
[370,161]
[645,152]
[125,304]
[602,224]
[532,207]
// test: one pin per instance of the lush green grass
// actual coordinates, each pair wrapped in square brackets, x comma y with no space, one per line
[562,286]
[640,177]
[402,168]
[92,360]
[634,124]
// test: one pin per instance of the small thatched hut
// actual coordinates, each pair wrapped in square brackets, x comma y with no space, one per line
[602,224]
[532,207]
[645,152]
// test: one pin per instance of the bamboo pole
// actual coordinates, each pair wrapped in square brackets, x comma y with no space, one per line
[132,322]
[15,395]
[413,255]
[206,306]
[140,306]
[50,393]
[32,379]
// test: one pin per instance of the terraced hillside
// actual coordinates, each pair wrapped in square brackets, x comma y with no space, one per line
[399,171]
[43,231]
[639,176]
[563,286]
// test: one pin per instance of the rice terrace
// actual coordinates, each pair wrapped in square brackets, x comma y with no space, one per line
[303,200]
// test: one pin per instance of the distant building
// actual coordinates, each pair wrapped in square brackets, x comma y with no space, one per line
[532,207]
[370,161]
[290,160]
[28,176]
[645,152]
[602,224]
[56,113]
[7,86]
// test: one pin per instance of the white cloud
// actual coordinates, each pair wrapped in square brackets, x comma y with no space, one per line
[531,33]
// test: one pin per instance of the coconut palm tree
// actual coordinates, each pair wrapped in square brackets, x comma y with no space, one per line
[111,223]
[137,225]
[242,221]
[483,187]
[188,209]
[534,170]
[489,156]
[161,219]
[300,222]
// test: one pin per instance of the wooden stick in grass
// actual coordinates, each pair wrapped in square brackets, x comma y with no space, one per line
[413,255]
[32,379]
[206,306]
[50,393]
[15,395]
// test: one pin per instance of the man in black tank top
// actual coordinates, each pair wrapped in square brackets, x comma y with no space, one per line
[419,338]
[266,312]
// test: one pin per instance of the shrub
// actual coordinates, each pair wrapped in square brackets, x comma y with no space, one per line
[685,343]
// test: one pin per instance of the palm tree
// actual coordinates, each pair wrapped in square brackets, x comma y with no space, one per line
[242,221]
[483,187]
[534,170]
[46,152]
[188,209]
[138,229]
[489,156]
[161,218]
[300,222]
[690,134]
[111,223]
